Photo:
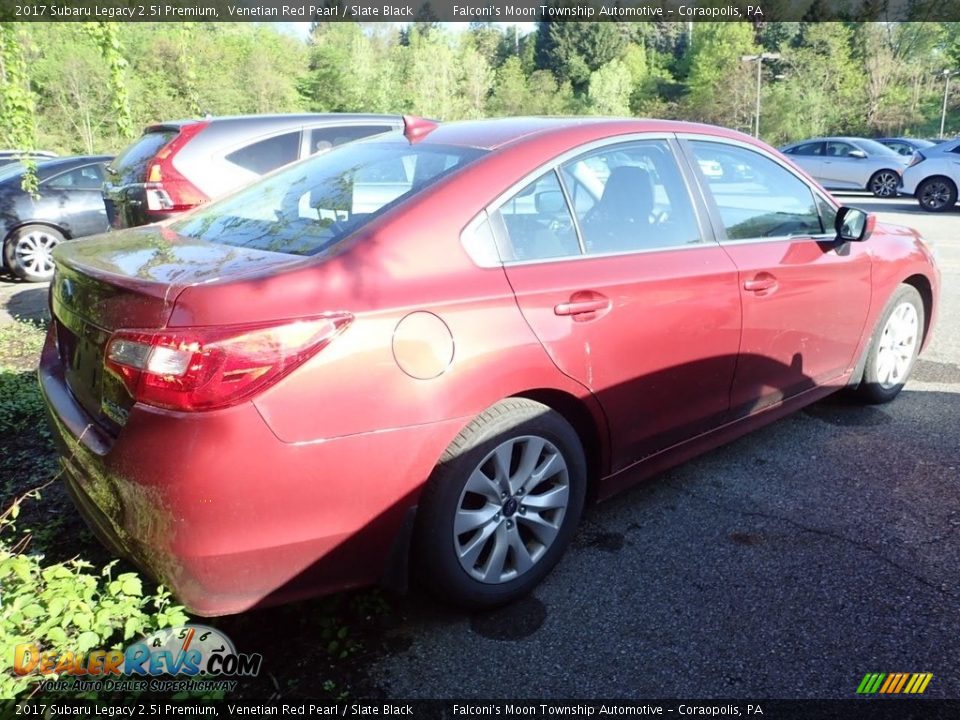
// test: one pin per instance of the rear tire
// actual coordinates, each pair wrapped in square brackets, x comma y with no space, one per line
[27,249]
[937,194]
[501,506]
[884,183]
[894,347]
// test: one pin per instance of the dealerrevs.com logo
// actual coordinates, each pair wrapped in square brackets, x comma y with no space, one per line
[200,657]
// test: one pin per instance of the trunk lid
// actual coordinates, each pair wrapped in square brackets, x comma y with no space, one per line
[130,280]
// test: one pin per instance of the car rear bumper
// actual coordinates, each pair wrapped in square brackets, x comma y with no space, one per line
[217,508]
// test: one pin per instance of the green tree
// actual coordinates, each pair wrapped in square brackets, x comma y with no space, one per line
[510,90]
[107,37]
[721,85]
[573,50]
[609,91]
[476,80]
[17,100]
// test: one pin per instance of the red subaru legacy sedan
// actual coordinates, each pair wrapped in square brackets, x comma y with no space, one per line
[429,349]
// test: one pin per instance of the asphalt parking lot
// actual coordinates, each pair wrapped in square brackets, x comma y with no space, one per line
[786,564]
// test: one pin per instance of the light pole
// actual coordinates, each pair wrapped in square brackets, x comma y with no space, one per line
[759,60]
[946,75]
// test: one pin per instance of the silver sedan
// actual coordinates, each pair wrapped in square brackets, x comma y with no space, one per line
[849,163]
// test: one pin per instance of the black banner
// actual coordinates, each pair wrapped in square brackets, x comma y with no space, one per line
[854,709]
[476,10]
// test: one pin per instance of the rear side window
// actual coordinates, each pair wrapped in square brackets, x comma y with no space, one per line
[266,155]
[537,222]
[814,148]
[132,164]
[327,138]
[768,201]
[309,207]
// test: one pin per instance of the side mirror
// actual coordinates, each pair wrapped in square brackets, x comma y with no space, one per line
[549,202]
[854,225]
[859,154]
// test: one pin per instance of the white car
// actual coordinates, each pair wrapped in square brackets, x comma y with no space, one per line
[934,175]
[850,163]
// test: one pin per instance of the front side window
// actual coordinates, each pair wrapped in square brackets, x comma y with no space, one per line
[768,202]
[828,215]
[309,207]
[840,149]
[631,197]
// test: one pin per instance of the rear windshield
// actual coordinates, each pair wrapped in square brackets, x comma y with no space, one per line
[130,166]
[307,208]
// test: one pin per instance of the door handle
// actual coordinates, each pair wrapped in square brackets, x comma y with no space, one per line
[761,283]
[582,307]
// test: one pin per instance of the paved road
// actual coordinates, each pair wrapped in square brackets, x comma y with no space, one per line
[787,564]
[21,300]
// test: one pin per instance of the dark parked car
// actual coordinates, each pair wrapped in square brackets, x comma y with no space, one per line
[11,156]
[437,344]
[69,206]
[176,166]
[906,146]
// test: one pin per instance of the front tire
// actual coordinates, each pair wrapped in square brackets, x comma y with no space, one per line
[894,347]
[501,506]
[27,252]
[884,183]
[937,194]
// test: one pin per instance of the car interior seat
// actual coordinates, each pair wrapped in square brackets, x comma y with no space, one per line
[621,218]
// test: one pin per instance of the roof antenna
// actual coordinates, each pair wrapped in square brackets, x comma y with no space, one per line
[416,128]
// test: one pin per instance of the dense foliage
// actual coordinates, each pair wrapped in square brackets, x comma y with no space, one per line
[87,87]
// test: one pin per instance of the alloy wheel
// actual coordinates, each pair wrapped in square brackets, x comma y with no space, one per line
[885,184]
[935,194]
[33,252]
[897,346]
[511,509]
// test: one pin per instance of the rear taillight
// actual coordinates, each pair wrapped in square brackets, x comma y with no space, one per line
[214,367]
[918,157]
[167,190]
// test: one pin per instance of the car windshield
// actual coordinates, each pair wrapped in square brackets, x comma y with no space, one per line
[308,207]
[872,147]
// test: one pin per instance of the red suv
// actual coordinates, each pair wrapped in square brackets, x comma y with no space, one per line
[436,343]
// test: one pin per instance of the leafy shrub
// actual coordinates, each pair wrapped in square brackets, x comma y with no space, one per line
[68,606]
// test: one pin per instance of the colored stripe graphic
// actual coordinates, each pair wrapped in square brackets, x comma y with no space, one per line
[894,683]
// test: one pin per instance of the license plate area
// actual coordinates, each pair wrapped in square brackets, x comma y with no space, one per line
[81,356]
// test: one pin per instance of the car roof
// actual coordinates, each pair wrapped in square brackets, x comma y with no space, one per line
[27,153]
[50,166]
[65,162]
[500,132]
[278,119]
